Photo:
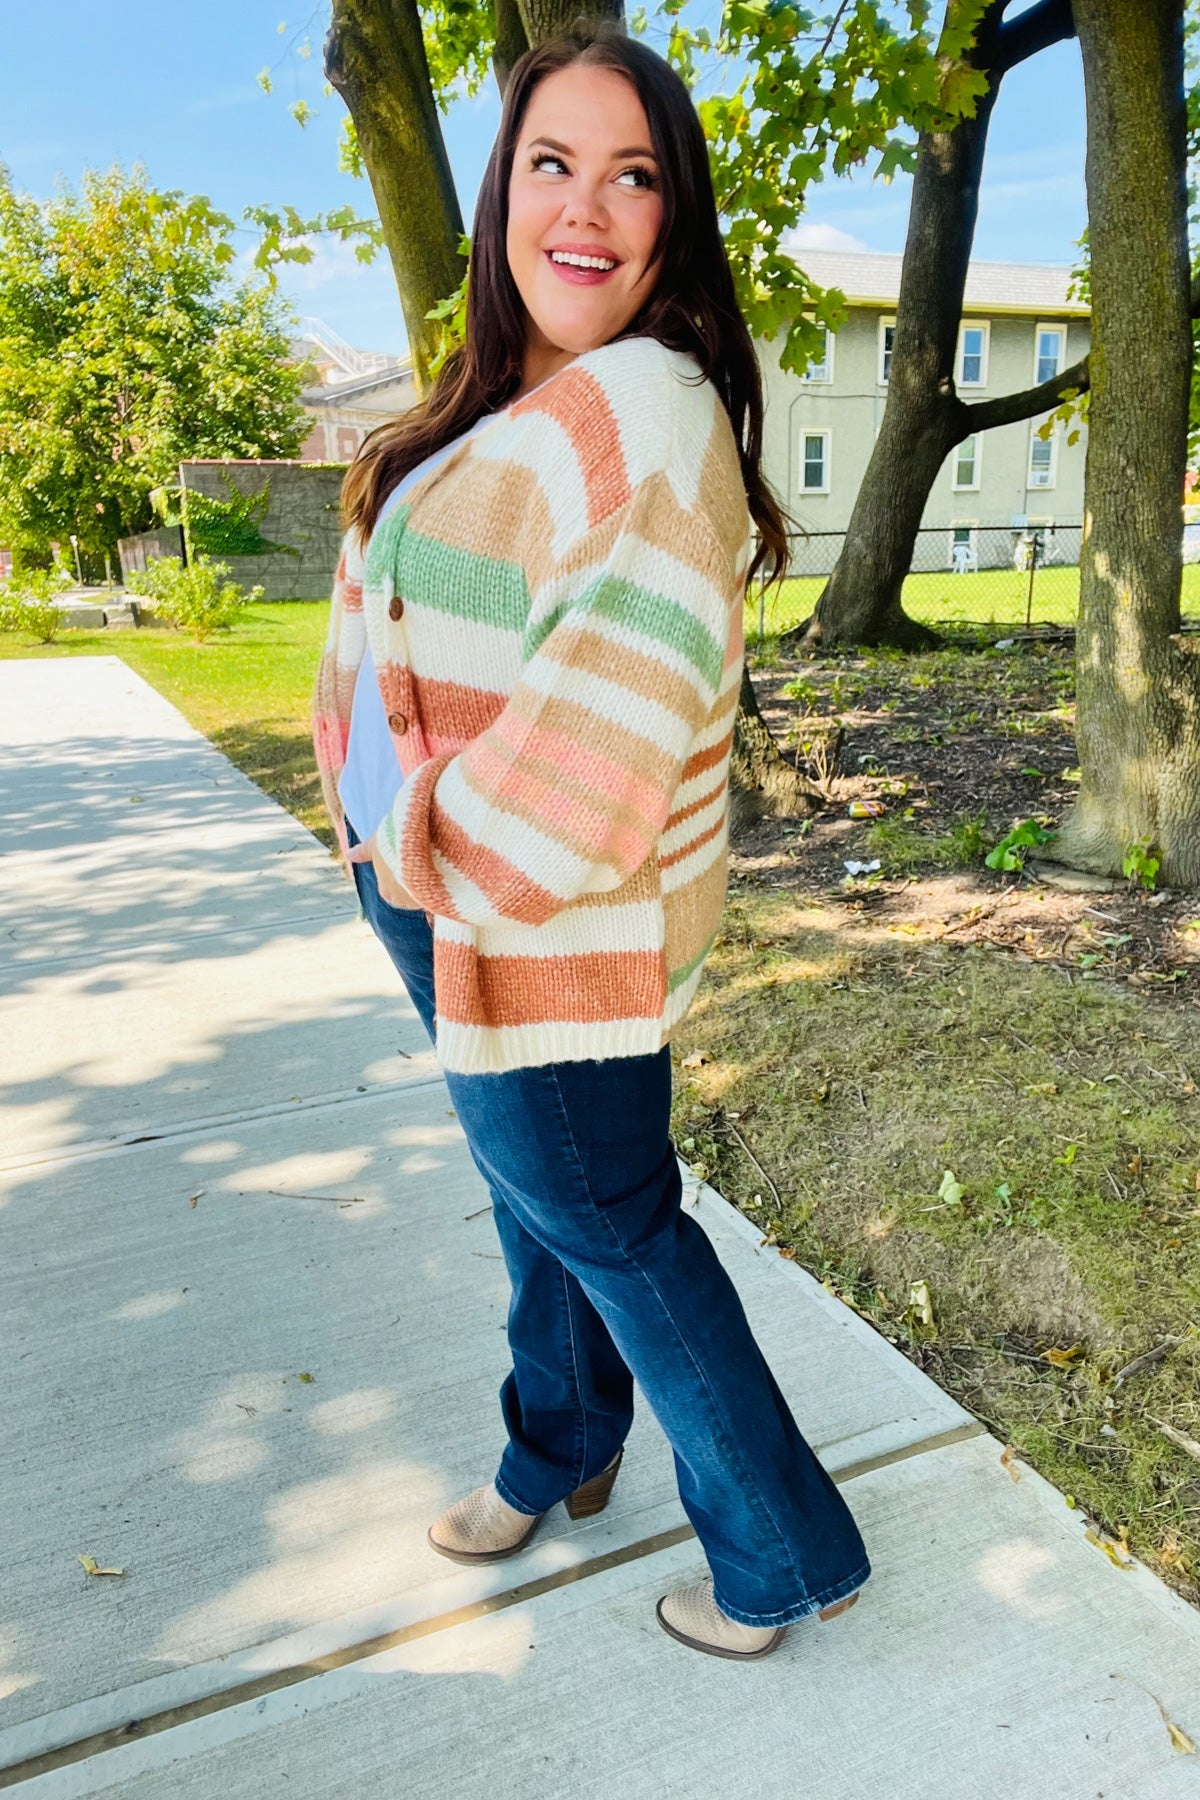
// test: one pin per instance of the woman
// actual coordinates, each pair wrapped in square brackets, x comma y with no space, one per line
[523,721]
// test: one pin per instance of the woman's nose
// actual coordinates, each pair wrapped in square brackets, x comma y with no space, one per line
[585,206]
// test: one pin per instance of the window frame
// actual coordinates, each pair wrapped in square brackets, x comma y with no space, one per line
[811,380]
[882,366]
[967,487]
[825,432]
[1041,487]
[985,355]
[1048,325]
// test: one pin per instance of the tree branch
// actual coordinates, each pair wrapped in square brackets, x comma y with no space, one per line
[1008,409]
[1045,24]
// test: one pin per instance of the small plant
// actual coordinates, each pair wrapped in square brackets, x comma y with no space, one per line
[1009,853]
[198,599]
[1139,864]
[27,603]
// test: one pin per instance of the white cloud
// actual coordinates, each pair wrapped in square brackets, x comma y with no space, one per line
[821,237]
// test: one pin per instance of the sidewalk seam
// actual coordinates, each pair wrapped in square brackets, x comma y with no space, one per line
[138,1730]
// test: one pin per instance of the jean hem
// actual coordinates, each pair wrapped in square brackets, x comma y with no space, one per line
[510,1499]
[788,1615]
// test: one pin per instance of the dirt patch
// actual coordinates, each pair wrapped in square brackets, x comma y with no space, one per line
[955,749]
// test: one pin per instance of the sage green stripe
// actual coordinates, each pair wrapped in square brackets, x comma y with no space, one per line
[425,572]
[679,976]
[651,614]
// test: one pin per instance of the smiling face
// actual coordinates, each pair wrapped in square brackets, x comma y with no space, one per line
[584,208]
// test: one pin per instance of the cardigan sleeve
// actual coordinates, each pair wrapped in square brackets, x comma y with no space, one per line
[568,791]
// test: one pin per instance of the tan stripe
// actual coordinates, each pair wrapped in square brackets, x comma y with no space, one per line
[644,675]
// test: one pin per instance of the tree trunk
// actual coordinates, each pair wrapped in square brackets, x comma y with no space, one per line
[924,419]
[375,58]
[1138,704]
[762,783]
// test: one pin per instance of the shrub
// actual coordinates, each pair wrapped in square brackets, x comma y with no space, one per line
[27,603]
[198,599]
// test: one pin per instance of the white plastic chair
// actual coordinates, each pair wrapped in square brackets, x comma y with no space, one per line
[964,559]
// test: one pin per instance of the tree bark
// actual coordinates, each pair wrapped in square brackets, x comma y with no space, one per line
[375,58]
[511,41]
[762,783]
[924,419]
[1138,700]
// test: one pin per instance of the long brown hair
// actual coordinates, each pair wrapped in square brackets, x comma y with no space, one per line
[693,308]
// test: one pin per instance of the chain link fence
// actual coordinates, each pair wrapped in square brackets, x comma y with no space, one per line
[1020,576]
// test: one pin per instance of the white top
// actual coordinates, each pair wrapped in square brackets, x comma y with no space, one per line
[371,778]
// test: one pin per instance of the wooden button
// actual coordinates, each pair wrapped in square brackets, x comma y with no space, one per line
[398,723]
[395,608]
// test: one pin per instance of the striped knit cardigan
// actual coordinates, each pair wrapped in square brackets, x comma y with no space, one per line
[555,620]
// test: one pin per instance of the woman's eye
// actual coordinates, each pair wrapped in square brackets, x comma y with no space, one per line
[546,157]
[645,176]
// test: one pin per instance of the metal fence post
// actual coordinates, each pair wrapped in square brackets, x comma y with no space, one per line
[1033,553]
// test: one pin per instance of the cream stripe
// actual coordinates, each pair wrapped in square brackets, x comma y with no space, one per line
[693,826]
[694,867]
[442,647]
[635,925]
[659,725]
[480,1049]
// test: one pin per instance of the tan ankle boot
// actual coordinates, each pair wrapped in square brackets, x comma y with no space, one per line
[483,1527]
[692,1616]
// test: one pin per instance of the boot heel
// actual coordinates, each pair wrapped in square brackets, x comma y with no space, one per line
[592,1497]
[841,1606]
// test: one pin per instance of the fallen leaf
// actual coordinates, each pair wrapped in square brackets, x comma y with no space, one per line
[1062,1359]
[1043,1087]
[920,1301]
[305,1376]
[788,1254]
[91,1567]
[1006,1461]
[1180,1739]
[951,1190]
[1110,1550]
[696,1059]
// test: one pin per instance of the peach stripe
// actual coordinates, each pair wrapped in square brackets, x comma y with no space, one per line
[515,990]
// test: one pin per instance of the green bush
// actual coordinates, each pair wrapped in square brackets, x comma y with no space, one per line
[198,599]
[27,603]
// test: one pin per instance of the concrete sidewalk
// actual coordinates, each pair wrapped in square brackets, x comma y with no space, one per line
[252,1326]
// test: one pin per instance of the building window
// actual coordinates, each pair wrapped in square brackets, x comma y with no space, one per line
[966,465]
[1042,460]
[972,356]
[1048,359]
[887,333]
[815,476]
[823,370]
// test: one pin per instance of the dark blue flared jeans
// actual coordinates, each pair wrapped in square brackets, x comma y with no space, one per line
[612,1281]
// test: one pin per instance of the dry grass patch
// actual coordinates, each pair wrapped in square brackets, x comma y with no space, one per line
[1025,1145]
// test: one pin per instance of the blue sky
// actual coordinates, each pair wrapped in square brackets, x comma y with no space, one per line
[174,88]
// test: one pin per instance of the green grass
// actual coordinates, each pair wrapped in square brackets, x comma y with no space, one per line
[248,689]
[992,597]
[860,1071]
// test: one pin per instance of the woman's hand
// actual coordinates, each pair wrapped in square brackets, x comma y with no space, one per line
[390,891]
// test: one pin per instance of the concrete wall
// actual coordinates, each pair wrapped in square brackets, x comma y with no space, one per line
[302,514]
[850,407]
